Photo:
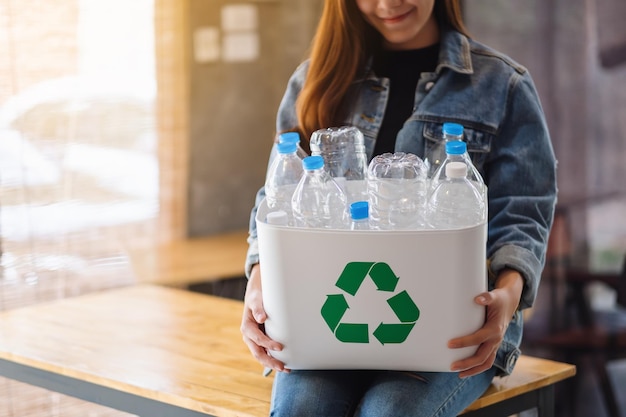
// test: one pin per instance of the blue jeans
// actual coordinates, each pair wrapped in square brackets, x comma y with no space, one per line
[346,393]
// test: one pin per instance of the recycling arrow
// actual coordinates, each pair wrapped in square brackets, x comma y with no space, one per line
[404,307]
[350,280]
[352,333]
[393,333]
[406,311]
[353,276]
[383,277]
[354,273]
[333,310]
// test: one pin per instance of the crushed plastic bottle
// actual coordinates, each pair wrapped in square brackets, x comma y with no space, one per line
[397,187]
[343,150]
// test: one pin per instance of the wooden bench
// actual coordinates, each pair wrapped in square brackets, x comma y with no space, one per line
[164,352]
[197,260]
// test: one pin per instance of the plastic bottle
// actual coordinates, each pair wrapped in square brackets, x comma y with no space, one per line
[397,187]
[456,151]
[359,214]
[452,131]
[436,154]
[343,150]
[456,202]
[293,137]
[318,201]
[282,178]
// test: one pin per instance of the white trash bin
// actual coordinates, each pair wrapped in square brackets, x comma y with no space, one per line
[342,299]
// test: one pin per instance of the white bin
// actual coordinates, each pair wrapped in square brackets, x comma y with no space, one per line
[326,295]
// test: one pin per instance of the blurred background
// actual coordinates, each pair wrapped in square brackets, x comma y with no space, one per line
[129,124]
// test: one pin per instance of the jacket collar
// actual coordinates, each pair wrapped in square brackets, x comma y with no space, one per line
[454,52]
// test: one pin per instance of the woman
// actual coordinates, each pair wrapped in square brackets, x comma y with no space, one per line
[397,70]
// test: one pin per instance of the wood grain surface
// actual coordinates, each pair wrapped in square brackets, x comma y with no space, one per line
[161,343]
[178,347]
[530,373]
[193,260]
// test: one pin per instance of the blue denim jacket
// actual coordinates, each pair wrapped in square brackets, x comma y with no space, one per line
[494,98]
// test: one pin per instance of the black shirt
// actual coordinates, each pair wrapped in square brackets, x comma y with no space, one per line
[403,69]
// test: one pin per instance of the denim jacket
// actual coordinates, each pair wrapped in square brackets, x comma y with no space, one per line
[494,98]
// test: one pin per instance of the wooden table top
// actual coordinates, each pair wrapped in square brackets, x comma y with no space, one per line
[193,260]
[170,345]
[177,347]
[530,373]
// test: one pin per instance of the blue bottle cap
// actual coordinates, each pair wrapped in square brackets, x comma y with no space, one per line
[456,147]
[289,137]
[286,147]
[313,162]
[359,210]
[453,129]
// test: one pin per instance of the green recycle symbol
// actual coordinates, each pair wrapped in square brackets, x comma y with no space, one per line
[353,275]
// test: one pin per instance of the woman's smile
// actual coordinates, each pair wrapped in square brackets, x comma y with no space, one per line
[398,18]
[406,24]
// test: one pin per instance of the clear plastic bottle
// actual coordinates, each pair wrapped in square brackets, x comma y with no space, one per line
[359,214]
[293,137]
[343,150]
[282,178]
[452,131]
[456,202]
[397,188]
[437,153]
[456,151]
[318,201]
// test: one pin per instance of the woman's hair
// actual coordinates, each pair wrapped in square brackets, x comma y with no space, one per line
[342,43]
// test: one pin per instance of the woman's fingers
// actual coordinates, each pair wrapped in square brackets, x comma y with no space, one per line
[252,320]
[482,358]
[253,332]
[259,343]
[487,339]
[262,356]
[254,304]
[480,367]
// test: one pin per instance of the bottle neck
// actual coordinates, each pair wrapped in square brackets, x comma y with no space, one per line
[288,154]
[456,157]
[317,171]
[450,137]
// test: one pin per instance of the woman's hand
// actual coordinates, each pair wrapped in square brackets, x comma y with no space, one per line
[252,324]
[501,304]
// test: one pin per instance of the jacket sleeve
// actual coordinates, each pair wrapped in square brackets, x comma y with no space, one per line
[286,120]
[521,179]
